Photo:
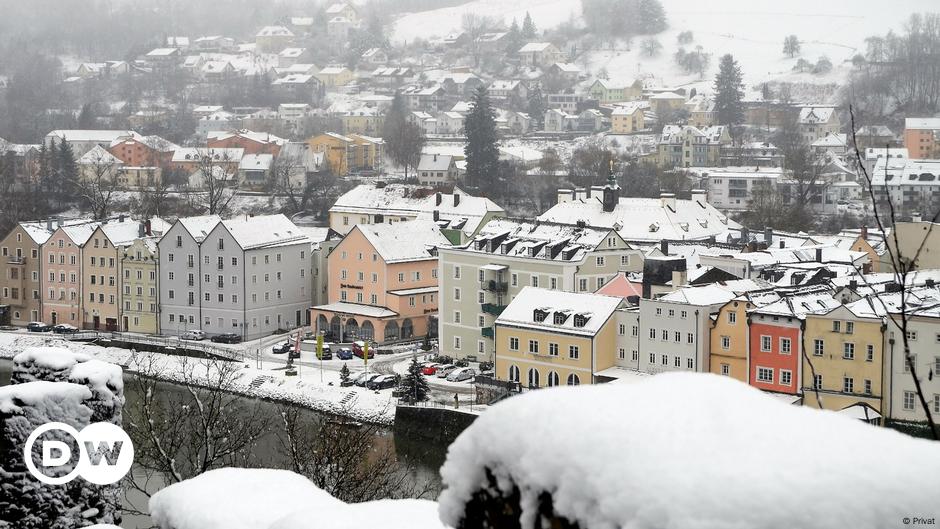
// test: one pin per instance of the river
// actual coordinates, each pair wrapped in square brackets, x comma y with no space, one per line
[426,458]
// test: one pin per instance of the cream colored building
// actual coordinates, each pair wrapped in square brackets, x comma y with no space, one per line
[478,279]
[140,308]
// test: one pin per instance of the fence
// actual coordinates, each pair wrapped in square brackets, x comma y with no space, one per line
[167,343]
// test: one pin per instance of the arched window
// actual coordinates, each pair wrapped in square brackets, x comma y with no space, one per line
[552,379]
[513,374]
[573,380]
[533,378]
[391,331]
[335,325]
[367,331]
[407,329]
[351,330]
[323,324]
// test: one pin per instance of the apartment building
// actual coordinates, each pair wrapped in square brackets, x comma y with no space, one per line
[179,272]
[139,262]
[345,154]
[922,137]
[382,283]
[688,146]
[547,337]
[21,270]
[480,278]
[816,122]
[62,277]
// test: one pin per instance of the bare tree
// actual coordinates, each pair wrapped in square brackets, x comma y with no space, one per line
[217,178]
[97,182]
[766,206]
[805,170]
[904,266]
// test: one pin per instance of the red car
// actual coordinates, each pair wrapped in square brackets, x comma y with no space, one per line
[430,369]
[357,350]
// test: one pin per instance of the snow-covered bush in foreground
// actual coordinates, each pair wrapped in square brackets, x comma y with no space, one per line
[685,451]
[236,498]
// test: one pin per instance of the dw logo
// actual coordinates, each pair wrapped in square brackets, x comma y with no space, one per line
[105,454]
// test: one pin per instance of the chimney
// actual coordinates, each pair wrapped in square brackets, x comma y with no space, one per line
[435,157]
[121,219]
[456,200]
[768,236]
[437,215]
[929,283]
[853,284]
[148,228]
[668,200]
[49,225]
[865,233]
[782,245]
[664,247]
[141,230]
[699,196]
[819,255]
[437,198]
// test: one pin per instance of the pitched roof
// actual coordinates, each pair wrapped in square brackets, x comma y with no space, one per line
[404,241]
[812,115]
[274,31]
[98,155]
[590,310]
[200,226]
[922,123]
[621,286]
[264,231]
[532,47]
[714,293]
[537,240]
[435,162]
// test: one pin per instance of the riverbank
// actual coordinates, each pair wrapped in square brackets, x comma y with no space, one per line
[312,388]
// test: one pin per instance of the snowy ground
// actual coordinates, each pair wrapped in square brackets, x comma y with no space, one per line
[264,378]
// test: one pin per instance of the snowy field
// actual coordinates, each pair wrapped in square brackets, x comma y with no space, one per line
[753,31]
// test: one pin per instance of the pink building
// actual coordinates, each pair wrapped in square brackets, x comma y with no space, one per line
[62,273]
[382,283]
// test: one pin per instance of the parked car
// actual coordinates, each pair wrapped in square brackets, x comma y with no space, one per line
[344,353]
[383,382]
[446,370]
[363,381]
[351,381]
[486,366]
[194,334]
[430,369]
[358,348]
[38,326]
[65,328]
[327,354]
[459,375]
[282,348]
[227,337]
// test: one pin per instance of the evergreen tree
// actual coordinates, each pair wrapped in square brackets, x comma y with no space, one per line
[481,151]
[514,39]
[536,107]
[729,91]
[414,384]
[344,374]
[403,140]
[87,118]
[528,27]
[426,344]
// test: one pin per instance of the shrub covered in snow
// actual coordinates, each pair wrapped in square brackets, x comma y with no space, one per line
[236,498]
[52,364]
[681,450]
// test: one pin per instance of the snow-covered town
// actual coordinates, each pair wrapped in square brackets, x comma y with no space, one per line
[467,264]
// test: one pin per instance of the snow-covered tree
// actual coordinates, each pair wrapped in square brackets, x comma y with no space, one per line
[729,91]
[481,151]
[414,384]
[791,46]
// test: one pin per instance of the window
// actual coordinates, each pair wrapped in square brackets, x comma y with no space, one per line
[684,314]
[480,275]
[690,338]
[533,378]
[573,380]
[765,374]
[678,362]
[848,384]
[726,342]
[912,336]
[659,311]
[848,351]
[936,402]
[765,344]
[573,352]
[652,358]
[665,360]
[533,346]
[535,281]
[817,382]
[726,369]
[677,337]
[869,353]
[625,260]
[836,326]
[457,342]
[909,400]
[552,379]
[553,283]
[786,377]
[552,349]
[732,318]
[665,335]
[456,294]
[401,277]
[652,333]
[621,329]
[599,261]
[513,343]
[514,280]
[672,312]
[513,374]
[456,316]
[582,285]
[481,297]
[784,346]
[621,353]
[849,327]
[868,386]
[818,347]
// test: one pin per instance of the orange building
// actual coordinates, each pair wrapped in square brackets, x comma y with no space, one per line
[250,142]
[382,283]
[922,138]
[138,151]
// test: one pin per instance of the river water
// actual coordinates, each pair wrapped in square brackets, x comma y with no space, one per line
[424,457]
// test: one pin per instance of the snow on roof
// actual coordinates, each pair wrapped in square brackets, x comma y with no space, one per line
[121,233]
[630,108]
[666,96]
[801,303]
[922,123]
[79,233]
[583,313]
[714,293]
[539,240]
[813,115]
[337,8]
[435,162]
[831,140]
[301,21]
[534,47]
[354,308]
[334,70]
[612,465]
[905,172]
[644,219]
[256,162]
[567,67]
[274,31]
[98,155]
[200,226]
[162,52]
[404,241]
[259,137]
[99,136]
[264,230]
[292,52]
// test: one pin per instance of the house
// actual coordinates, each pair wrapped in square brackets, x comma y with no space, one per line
[298,88]
[518,122]
[98,165]
[62,282]
[430,99]
[334,76]
[188,159]
[922,137]
[815,122]
[250,142]
[221,120]
[732,188]
[565,70]
[374,57]
[291,56]
[702,112]
[437,170]
[450,123]
[459,215]
[293,113]
[300,162]
[461,84]
[559,121]
[591,120]
[143,151]
[606,92]
[22,270]
[344,10]
[875,136]
[492,42]
[910,184]
[391,78]
[508,90]
[760,154]
[844,361]
[640,219]
[273,39]
[178,42]
[666,103]
[246,276]
[567,102]
[916,241]
[255,170]
[831,144]
[82,141]
[873,154]
[540,54]
[382,283]
[214,43]
[548,338]
[348,153]
[364,120]
[163,59]
[628,118]
[217,71]
[301,25]
[688,146]
[424,121]
[484,274]
[338,30]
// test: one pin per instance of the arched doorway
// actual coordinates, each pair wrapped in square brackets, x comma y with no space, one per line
[533,378]
[513,373]
[335,329]
[323,324]
[391,331]
[351,330]
[367,331]
[552,379]
[407,329]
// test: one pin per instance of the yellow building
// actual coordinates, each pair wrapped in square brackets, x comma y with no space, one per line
[348,153]
[843,363]
[629,118]
[729,340]
[139,284]
[551,337]
[364,121]
[333,76]
[101,273]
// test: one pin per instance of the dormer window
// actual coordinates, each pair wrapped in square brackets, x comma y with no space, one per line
[654,227]
[684,226]
[560,318]
[539,315]
[580,320]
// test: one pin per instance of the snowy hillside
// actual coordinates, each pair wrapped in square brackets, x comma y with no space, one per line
[753,31]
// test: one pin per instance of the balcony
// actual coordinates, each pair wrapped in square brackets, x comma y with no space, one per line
[14,260]
[488,332]
[492,308]
[500,287]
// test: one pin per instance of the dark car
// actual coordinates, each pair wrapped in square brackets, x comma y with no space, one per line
[363,381]
[38,326]
[282,348]
[65,328]
[358,350]
[383,382]
[228,337]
